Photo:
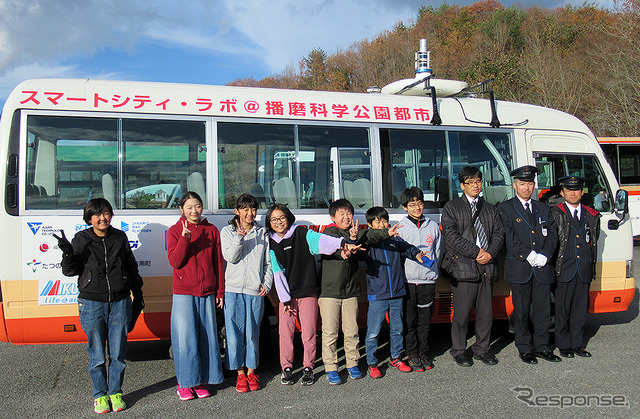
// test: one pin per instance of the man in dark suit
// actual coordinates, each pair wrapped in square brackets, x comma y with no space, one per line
[473,236]
[531,237]
[578,231]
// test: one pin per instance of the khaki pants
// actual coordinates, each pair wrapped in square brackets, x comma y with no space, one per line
[331,310]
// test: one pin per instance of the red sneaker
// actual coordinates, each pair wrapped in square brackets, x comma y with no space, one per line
[254,383]
[400,365]
[374,372]
[242,385]
[201,391]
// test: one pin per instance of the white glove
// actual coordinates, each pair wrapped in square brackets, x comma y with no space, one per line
[541,260]
[532,258]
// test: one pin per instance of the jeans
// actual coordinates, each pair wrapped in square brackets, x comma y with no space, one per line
[105,322]
[242,317]
[194,337]
[375,317]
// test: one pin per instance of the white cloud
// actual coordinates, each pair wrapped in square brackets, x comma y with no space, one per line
[286,31]
[39,35]
[12,78]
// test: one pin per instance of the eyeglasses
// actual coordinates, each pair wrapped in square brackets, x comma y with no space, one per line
[276,220]
[473,183]
[415,205]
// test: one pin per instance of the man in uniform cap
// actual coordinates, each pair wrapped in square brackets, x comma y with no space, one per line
[578,231]
[530,238]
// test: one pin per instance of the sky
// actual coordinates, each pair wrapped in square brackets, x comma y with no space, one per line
[189,41]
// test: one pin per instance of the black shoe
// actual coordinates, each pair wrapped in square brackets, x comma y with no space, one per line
[549,356]
[528,358]
[287,376]
[567,353]
[307,376]
[427,363]
[487,358]
[582,352]
[463,360]
[415,364]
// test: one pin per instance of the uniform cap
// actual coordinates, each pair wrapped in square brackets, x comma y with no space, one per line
[573,183]
[525,173]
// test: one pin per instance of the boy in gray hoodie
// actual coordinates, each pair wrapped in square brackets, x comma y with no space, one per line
[421,280]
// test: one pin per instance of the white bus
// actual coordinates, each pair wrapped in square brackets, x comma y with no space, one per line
[623,154]
[141,145]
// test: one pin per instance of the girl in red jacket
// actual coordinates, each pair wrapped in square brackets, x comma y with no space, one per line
[194,251]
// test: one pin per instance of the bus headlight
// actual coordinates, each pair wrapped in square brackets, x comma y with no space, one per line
[629,268]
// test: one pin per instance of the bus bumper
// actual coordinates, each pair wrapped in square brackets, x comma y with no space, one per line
[3,326]
[608,301]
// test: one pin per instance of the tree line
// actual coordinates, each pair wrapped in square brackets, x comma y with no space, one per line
[581,60]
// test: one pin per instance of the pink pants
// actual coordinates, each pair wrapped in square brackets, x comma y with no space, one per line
[306,311]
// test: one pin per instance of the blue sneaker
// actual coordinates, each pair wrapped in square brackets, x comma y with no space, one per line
[354,373]
[334,378]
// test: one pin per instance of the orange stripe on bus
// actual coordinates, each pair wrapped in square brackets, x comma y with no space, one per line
[46,330]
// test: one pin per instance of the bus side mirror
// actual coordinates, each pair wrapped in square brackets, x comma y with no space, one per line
[621,208]
[622,202]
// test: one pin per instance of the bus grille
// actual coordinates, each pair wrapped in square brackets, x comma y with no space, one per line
[444,303]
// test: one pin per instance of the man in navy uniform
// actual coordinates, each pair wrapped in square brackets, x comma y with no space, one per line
[578,231]
[530,237]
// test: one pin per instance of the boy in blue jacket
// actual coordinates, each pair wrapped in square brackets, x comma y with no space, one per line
[386,290]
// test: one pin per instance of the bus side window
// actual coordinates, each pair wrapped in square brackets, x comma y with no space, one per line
[296,165]
[162,160]
[67,158]
[491,153]
[413,157]
[252,157]
[424,158]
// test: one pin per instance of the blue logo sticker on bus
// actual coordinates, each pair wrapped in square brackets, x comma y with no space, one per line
[58,292]
[34,227]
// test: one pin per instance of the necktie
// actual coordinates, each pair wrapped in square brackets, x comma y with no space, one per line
[482,235]
[528,213]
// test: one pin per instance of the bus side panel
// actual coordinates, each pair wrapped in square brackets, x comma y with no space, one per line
[47,323]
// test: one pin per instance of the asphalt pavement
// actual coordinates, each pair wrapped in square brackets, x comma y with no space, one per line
[52,381]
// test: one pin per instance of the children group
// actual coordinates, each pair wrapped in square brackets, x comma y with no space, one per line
[233,269]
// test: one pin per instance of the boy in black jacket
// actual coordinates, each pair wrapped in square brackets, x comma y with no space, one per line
[107,275]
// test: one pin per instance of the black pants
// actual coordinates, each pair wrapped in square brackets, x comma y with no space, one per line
[531,301]
[465,296]
[417,308]
[572,304]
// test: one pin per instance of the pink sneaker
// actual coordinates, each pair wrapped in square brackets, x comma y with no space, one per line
[185,393]
[201,391]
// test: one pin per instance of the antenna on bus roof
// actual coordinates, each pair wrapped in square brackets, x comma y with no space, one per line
[421,83]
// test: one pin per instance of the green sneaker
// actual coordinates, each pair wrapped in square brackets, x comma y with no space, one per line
[117,403]
[101,405]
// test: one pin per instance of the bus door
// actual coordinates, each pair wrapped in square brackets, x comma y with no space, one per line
[571,154]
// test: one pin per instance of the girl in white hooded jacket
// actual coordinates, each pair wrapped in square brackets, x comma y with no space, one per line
[248,274]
